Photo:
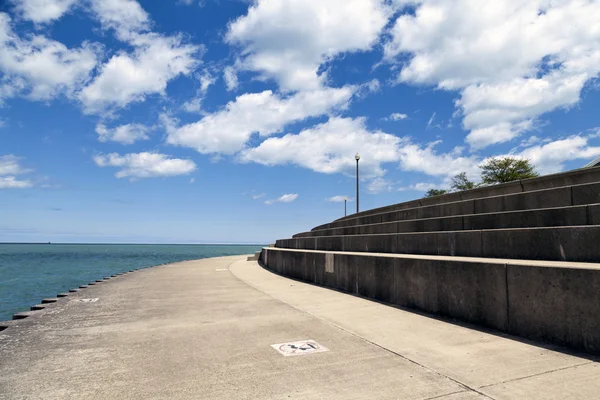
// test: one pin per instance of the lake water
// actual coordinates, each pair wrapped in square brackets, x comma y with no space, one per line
[31,272]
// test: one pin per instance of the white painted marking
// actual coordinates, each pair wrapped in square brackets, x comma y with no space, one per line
[222,269]
[329,263]
[95,299]
[299,348]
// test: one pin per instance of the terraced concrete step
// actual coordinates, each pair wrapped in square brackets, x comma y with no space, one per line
[571,243]
[569,178]
[538,199]
[544,217]
[557,302]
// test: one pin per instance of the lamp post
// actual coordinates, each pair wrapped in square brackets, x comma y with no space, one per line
[357,157]
[345,200]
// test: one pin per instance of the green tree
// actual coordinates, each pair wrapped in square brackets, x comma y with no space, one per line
[506,169]
[460,182]
[435,192]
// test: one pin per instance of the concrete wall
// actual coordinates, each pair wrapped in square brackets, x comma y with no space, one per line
[570,243]
[561,216]
[547,198]
[569,178]
[554,302]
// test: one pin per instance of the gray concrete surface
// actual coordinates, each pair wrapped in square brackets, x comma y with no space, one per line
[192,330]
[557,243]
[569,178]
[546,198]
[487,364]
[553,301]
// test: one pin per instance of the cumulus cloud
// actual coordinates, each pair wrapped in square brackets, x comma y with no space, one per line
[550,157]
[206,79]
[131,77]
[378,185]
[266,113]
[9,168]
[285,198]
[289,40]
[396,117]
[339,199]
[511,60]
[145,165]
[420,187]
[40,68]
[124,134]
[329,148]
[427,160]
[42,11]
[230,78]
[125,17]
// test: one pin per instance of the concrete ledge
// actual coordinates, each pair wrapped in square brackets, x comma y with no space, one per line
[22,315]
[38,307]
[570,243]
[49,300]
[558,302]
[544,217]
[569,178]
[539,199]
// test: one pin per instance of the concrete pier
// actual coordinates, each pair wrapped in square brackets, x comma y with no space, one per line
[205,329]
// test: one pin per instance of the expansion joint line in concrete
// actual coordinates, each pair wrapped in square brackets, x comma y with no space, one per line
[538,374]
[461,384]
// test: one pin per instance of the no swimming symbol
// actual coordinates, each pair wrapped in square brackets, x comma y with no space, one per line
[299,348]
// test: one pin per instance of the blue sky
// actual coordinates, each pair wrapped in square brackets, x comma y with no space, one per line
[235,121]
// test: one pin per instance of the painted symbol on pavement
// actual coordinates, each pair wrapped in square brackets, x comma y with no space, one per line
[87,300]
[299,348]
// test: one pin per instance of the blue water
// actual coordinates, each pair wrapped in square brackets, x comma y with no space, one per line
[31,272]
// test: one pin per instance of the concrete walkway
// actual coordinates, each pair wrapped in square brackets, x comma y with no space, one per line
[204,329]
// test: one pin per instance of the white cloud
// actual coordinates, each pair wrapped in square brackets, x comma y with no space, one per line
[230,77]
[131,77]
[431,120]
[126,17]
[11,182]
[289,40]
[339,199]
[396,117]
[421,187]
[206,79]
[41,11]
[378,185]
[258,196]
[228,130]
[9,168]
[329,148]
[124,134]
[40,68]
[285,198]
[145,165]
[550,157]
[512,60]
[413,157]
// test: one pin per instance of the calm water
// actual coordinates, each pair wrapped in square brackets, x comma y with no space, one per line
[30,272]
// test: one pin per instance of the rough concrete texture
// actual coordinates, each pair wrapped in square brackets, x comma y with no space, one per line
[565,243]
[192,330]
[539,199]
[475,290]
[487,364]
[569,178]
[558,216]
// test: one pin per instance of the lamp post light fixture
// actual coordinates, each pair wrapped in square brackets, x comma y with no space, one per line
[345,200]
[357,157]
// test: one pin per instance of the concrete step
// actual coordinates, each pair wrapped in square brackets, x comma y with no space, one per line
[569,178]
[254,257]
[547,198]
[544,217]
[570,243]
[557,302]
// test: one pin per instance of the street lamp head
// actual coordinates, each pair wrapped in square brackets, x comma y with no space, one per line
[357,156]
